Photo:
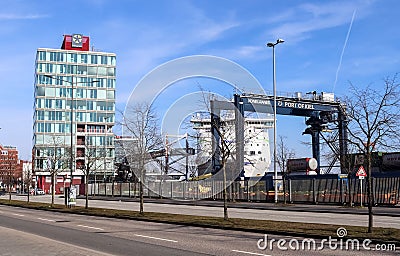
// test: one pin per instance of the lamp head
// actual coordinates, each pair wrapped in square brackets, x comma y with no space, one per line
[279,41]
[270,44]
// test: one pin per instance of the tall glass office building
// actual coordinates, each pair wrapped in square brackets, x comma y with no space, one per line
[74,92]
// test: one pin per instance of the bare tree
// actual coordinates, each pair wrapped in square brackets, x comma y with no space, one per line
[27,178]
[374,121]
[11,174]
[284,153]
[93,160]
[141,123]
[57,161]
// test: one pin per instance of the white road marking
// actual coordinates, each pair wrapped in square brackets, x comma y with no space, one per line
[252,253]
[16,214]
[90,227]
[156,238]
[46,220]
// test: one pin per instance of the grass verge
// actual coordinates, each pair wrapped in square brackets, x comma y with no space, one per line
[379,235]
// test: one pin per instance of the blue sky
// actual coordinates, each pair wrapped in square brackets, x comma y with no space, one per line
[145,34]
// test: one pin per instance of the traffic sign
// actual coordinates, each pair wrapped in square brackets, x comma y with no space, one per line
[361,172]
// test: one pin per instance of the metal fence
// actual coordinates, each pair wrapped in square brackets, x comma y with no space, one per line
[327,189]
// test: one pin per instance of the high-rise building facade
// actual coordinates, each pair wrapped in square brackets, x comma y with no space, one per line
[74,105]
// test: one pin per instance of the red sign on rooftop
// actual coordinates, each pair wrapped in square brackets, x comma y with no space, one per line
[76,42]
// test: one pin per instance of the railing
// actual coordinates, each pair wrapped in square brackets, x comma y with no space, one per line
[386,190]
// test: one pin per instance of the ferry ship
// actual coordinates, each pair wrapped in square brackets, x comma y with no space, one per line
[257,153]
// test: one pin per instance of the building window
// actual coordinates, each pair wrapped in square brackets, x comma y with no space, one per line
[47,127]
[89,105]
[80,93]
[49,68]
[93,94]
[71,69]
[93,59]
[111,71]
[41,55]
[82,70]
[59,80]
[72,57]
[93,117]
[110,95]
[48,103]
[58,115]
[84,58]
[104,60]
[52,56]
[80,116]
[110,83]
[102,71]
[40,115]
[60,128]
[111,60]
[101,82]
[50,92]
[59,104]
[39,103]
[40,127]
[101,94]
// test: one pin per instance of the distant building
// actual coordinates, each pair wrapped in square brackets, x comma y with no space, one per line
[27,181]
[74,90]
[10,169]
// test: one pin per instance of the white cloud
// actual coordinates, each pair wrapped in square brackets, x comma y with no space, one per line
[8,16]
[307,18]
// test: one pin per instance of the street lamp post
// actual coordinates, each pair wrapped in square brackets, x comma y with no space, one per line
[71,165]
[72,159]
[72,162]
[105,153]
[274,84]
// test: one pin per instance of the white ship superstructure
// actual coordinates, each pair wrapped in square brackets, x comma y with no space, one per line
[257,157]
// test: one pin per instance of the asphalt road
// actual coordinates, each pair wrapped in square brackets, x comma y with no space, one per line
[35,232]
[347,219]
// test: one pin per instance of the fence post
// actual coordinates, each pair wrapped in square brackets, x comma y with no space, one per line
[314,192]
[197,190]
[160,188]
[247,189]
[341,191]
[172,187]
[148,190]
[214,196]
[266,190]
[112,188]
[183,189]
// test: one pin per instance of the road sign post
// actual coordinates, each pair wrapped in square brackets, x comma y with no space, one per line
[361,174]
